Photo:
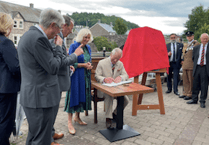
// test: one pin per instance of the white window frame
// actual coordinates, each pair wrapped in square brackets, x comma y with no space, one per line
[20,24]
[18,36]
[15,24]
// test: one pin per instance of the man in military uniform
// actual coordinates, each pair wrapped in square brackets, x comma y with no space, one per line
[188,65]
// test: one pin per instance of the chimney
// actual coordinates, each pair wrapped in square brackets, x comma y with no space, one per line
[59,11]
[31,5]
[99,21]
[111,24]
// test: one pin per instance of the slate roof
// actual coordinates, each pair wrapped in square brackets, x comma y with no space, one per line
[29,14]
[107,27]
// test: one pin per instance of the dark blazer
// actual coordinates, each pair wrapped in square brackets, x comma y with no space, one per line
[9,67]
[196,51]
[64,71]
[179,52]
[39,67]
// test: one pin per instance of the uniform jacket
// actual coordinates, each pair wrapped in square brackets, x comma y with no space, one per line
[9,67]
[187,57]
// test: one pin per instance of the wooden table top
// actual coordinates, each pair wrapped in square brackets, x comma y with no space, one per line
[121,90]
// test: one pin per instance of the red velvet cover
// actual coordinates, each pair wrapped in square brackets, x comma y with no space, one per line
[144,50]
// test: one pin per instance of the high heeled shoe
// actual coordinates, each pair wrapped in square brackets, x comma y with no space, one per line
[71,129]
[79,121]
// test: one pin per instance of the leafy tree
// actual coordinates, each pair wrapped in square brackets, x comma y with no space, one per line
[120,27]
[197,19]
[203,29]
[101,42]
[92,18]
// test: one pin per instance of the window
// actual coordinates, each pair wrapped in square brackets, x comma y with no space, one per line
[15,24]
[16,38]
[21,25]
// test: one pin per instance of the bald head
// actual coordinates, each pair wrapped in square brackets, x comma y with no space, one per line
[204,38]
[115,55]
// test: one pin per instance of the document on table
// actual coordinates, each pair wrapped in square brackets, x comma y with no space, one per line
[117,84]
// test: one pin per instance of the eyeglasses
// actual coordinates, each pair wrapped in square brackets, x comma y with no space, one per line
[59,27]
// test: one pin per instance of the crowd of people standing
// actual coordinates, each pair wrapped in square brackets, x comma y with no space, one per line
[41,70]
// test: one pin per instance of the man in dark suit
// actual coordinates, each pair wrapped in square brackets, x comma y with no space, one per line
[39,67]
[64,71]
[200,71]
[174,52]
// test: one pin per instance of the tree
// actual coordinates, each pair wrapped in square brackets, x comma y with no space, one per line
[101,42]
[197,19]
[120,27]
[203,29]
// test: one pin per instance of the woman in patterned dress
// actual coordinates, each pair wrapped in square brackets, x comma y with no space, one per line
[78,98]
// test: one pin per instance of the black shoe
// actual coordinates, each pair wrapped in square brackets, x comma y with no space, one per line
[187,98]
[168,91]
[177,93]
[114,116]
[182,96]
[202,105]
[110,123]
[192,102]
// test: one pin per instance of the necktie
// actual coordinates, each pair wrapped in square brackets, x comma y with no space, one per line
[202,56]
[174,54]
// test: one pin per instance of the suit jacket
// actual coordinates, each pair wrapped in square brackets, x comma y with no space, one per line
[195,57]
[9,67]
[104,69]
[39,67]
[64,71]
[178,54]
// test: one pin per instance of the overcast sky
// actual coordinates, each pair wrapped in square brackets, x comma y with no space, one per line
[168,16]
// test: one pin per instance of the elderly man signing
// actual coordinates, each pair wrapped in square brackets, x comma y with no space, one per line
[40,92]
[111,70]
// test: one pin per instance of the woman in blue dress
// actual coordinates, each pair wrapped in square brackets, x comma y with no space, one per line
[78,98]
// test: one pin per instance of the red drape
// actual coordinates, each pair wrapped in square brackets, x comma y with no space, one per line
[144,50]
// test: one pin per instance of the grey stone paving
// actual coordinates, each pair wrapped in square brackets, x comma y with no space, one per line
[182,124]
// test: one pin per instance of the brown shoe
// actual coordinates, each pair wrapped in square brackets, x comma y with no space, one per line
[58,136]
[55,143]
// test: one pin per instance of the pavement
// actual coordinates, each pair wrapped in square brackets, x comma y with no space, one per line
[182,124]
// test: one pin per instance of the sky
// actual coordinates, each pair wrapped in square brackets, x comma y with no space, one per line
[168,16]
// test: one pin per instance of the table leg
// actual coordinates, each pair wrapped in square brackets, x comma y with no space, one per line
[121,131]
[160,93]
[120,103]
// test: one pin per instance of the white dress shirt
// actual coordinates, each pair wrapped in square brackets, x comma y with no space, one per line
[171,58]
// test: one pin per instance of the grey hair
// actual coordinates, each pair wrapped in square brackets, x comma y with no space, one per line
[82,33]
[68,20]
[204,34]
[49,16]
[116,50]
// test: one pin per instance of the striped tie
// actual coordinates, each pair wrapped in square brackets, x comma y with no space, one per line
[202,56]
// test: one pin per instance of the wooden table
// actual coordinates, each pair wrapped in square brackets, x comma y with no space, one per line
[121,131]
[137,99]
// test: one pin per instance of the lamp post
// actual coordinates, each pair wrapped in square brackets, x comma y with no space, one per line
[104,49]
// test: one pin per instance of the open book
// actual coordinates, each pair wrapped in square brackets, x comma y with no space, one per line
[116,84]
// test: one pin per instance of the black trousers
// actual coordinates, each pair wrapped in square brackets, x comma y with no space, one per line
[200,83]
[175,70]
[8,102]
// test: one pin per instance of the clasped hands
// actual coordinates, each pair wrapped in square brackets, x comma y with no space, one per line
[110,80]
[88,66]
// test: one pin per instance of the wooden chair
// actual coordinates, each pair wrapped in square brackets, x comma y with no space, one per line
[95,61]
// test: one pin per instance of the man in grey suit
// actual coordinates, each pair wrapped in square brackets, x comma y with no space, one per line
[39,67]
[200,71]
[64,71]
